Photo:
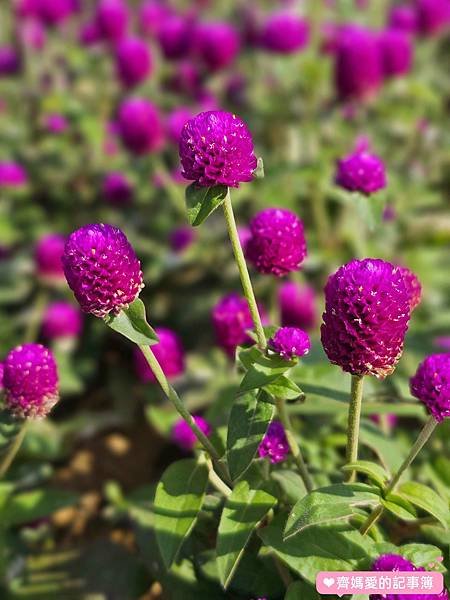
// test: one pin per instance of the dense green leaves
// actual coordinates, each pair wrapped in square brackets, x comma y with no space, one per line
[373,471]
[425,498]
[131,322]
[202,201]
[262,370]
[301,591]
[26,507]
[400,507]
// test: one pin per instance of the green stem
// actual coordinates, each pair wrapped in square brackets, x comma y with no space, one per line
[243,271]
[295,448]
[354,418]
[183,411]
[12,450]
[216,481]
[422,439]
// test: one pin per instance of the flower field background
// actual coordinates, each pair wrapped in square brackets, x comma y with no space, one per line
[321,128]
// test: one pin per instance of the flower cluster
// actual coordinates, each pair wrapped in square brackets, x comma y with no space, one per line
[274,445]
[431,385]
[290,342]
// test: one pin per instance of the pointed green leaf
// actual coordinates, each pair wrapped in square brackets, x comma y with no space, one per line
[291,483]
[262,370]
[374,472]
[301,591]
[285,389]
[131,322]
[202,201]
[258,173]
[400,507]
[425,498]
[26,507]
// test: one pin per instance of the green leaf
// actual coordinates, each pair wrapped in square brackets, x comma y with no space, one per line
[291,483]
[328,504]
[285,389]
[400,507]
[301,591]
[423,555]
[262,370]
[249,419]
[373,471]
[390,452]
[244,509]
[131,322]
[202,201]
[425,498]
[178,499]
[258,173]
[10,428]
[26,507]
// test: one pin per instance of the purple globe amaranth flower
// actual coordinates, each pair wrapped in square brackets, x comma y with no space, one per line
[133,61]
[116,189]
[361,172]
[217,44]
[186,78]
[181,238]
[102,269]
[274,445]
[278,244]
[184,437]
[10,61]
[176,121]
[169,353]
[30,380]
[216,148]
[89,34]
[32,34]
[431,385]
[396,52]
[175,36]
[404,18]
[290,342]
[12,174]
[367,311]
[139,126]
[61,320]
[2,373]
[47,256]
[231,321]
[413,286]
[284,32]
[358,65]
[54,12]
[297,305]
[433,16]
[152,14]
[112,19]
[56,123]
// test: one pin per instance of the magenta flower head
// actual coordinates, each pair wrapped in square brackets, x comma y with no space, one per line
[367,311]
[61,320]
[133,61]
[413,286]
[139,126]
[152,15]
[183,436]
[176,121]
[30,380]
[358,66]
[54,12]
[175,37]
[431,385]
[10,62]
[56,123]
[361,172]
[433,16]
[217,44]
[290,342]
[231,321]
[181,238]
[102,269]
[274,445]
[112,19]
[278,244]
[48,254]
[403,17]
[12,174]
[116,189]
[297,305]
[216,148]
[168,351]
[396,52]
[285,33]
[32,34]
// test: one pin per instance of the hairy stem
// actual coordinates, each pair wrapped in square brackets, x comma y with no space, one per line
[354,418]
[12,450]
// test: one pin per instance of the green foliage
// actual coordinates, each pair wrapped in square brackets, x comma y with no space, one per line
[131,322]
[202,201]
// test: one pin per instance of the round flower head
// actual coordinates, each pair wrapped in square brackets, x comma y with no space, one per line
[217,44]
[176,121]
[186,78]
[431,385]
[297,305]
[396,52]
[112,19]
[169,353]
[30,380]
[361,172]
[184,437]
[102,269]
[285,33]
[116,189]
[9,61]
[12,174]
[231,320]
[366,317]
[47,255]
[152,15]
[133,61]
[175,37]
[289,342]
[139,126]
[89,34]
[216,148]
[61,320]
[278,244]
[433,16]
[404,18]
[181,238]
[413,287]
[56,123]
[54,12]
[274,445]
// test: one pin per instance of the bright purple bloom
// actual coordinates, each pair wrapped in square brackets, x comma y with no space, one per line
[176,121]
[152,15]
[297,305]
[431,385]
[169,353]
[61,319]
[396,52]
[10,62]
[231,321]
[112,19]
[56,123]
[139,126]
[361,172]
[175,37]
[181,238]
[278,244]
[30,380]
[433,16]
[289,342]
[12,174]
[404,18]
[274,445]
[47,256]
[116,189]
[217,44]
[367,311]
[54,12]
[413,286]
[133,61]
[285,33]
[102,269]
[216,148]
[183,436]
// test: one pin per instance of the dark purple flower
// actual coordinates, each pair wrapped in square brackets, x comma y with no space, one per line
[443,341]
[12,174]
[431,385]
[367,311]
[231,321]
[176,121]
[433,16]
[61,320]
[392,420]
[133,61]
[10,62]
[116,189]
[404,18]
[216,147]
[274,445]
[175,36]
[139,126]
[54,12]
[361,172]
[278,244]
[186,78]
[56,123]
[169,353]
[284,32]
[413,286]
[217,44]
[396,52]
[30,380]
[181,238]
[183,436]
[152,15]
[290,342]
[102,269]
[89,34]
[389,213]
[297,305]
[112,19]
[47,255]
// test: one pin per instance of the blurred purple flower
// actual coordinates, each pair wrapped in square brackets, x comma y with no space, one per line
[47,255]
[32,34]
[297,305]
[290,342]
[139,126]
[116,189]
[361,172]
[176,121]
[54,12]
[12,174]
[152,14]
[175,36]
[443,342]
[284,32]
[431,385]
[133,61]
[433,16]
[112,19]
[10,61]
[61,320]
[404,18]
[274,445]
[89,34]
[186,78]
[217,44]
[389,213]
[183,436]
[169,353]
[56,123]
[396,52]
[181,238]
